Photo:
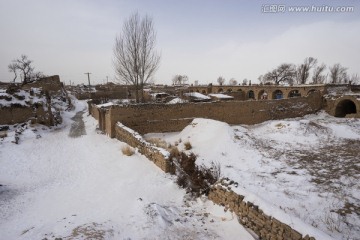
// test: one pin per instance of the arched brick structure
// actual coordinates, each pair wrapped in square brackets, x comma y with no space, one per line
[311,91]
[273,91]
[345,106]
[294,93]
[262,94]
[277,94]
[250,94]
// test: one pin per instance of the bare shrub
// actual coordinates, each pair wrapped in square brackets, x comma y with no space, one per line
[174,152]
[195,179]
[158,142]
[128,151]
[187,145]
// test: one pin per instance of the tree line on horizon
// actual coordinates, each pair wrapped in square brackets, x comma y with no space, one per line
[308,72]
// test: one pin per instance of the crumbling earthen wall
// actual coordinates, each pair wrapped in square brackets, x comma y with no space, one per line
[51,83]
[93,110]
[146,118]
[12,115]
[19,114]
[159,156]
[251,216]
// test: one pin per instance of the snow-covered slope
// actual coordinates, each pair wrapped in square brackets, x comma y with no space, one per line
[302,171]
[83,187]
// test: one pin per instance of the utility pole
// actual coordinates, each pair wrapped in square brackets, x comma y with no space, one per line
[88,79]
[88,74]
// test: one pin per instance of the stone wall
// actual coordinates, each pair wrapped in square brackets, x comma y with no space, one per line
[250,216]
[146,118]
[159,156]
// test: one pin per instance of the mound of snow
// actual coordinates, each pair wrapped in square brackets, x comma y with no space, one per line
[177,100]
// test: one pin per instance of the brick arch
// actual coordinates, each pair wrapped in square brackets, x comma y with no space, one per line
[220,90]
[250,94]
[311,91]
[277,94]
[345,106]
[342,106]
[294,93]
[261,94]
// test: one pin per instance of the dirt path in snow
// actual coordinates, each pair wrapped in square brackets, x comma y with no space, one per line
[77,127]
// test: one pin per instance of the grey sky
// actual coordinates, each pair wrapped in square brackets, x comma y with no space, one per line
[200,38]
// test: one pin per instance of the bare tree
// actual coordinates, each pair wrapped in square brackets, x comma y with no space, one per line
[286,72]
[180,79]
[232,81]
[303,70]
[355,79]
[245,82]
[13,68]
[37,75]
[23,64]
[261,79]
[338,74]
[221,80]
[318,77]
[135,59]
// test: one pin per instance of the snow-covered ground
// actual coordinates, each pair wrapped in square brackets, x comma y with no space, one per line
[304,171]
[54,184]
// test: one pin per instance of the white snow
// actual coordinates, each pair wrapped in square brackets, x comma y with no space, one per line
[220,96]
[27,101]
[262,159]
[197,95]
[104,105]
[75,188]
[177,100]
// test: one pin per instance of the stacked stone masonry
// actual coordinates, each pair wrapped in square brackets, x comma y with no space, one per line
[251,216]
[160,157]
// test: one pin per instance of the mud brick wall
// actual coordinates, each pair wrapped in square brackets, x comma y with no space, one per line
[19,114]
[146,118]
[250,216]
[51,83]
[103,94]
[93,110]
[13,114]
[159,156]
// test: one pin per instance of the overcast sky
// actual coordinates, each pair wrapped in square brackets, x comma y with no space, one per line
[203,39]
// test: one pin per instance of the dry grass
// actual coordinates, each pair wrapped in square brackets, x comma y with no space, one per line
[187,145]
[158,142]
[128,151]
